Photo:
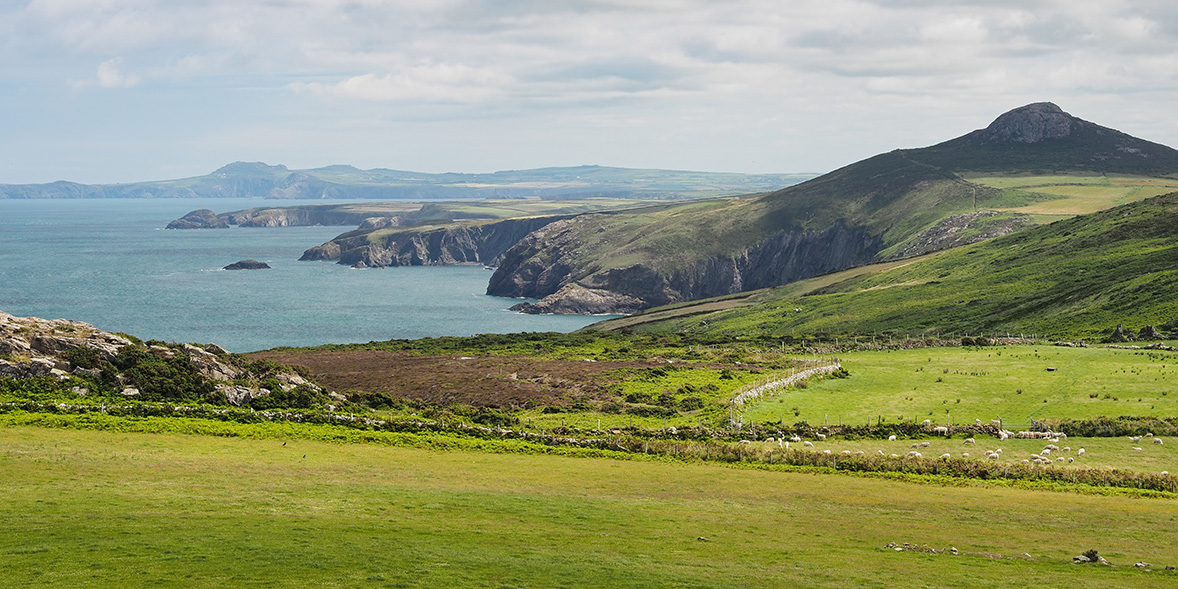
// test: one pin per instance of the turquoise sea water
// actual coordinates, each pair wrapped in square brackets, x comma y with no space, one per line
[110,263]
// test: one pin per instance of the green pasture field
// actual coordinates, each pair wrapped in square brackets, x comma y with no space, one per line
[102,509]
[1078,195]
[968,383]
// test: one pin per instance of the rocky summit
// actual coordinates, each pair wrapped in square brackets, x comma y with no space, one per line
[1030,124]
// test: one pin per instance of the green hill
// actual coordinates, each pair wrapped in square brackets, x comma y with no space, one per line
[1077,277]
[894,205]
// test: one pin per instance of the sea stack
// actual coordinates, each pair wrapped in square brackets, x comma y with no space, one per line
[248,265]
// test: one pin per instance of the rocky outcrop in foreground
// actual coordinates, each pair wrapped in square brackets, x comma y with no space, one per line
[31,347]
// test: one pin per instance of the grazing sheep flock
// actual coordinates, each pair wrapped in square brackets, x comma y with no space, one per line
[1047,456]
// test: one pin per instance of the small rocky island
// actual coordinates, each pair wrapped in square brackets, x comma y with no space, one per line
[248,265]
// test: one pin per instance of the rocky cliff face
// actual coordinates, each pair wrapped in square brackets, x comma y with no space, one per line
[543,266]
[435,246]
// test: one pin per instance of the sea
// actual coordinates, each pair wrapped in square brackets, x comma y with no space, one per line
[111,263]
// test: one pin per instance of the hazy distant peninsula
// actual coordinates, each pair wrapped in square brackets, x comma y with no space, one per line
[342,182]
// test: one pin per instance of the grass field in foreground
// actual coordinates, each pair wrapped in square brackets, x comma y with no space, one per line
[86,508]
[984,383]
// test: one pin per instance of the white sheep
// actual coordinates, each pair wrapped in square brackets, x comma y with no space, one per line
[1138,448]
[808,444]
[892,438]
[1003,435]
[1067,448]
[916,444]
[925,444]
[946,456]
[969,441]
[826,451]
[880,452]
[770,439]
[965,454]
[1165,473]
[822,437]
[795,438]
[977,421]
[1149,434]
[894,456]
[1045,452]
[1134,439]
[1157,441]
[1080,452]
[914,454]
[1071,460]
[859,453]
[744,442]
[926,422]
[846,452]
[1060,459]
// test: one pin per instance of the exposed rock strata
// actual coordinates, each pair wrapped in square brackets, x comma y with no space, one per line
[455,244]
[543,265]
[963,229]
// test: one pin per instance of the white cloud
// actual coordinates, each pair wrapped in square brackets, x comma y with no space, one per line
[443,82]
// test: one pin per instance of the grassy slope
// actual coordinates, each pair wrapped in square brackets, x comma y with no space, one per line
[1073,277]
[106,509]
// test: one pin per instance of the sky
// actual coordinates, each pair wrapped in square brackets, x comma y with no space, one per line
[103,91]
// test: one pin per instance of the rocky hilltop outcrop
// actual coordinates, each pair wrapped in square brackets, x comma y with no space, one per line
[32,347]
[1030,124]
[476,243]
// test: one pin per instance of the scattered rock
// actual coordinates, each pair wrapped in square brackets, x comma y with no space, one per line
[248,265]
[130,392]
[1117,335]
[1149,333]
